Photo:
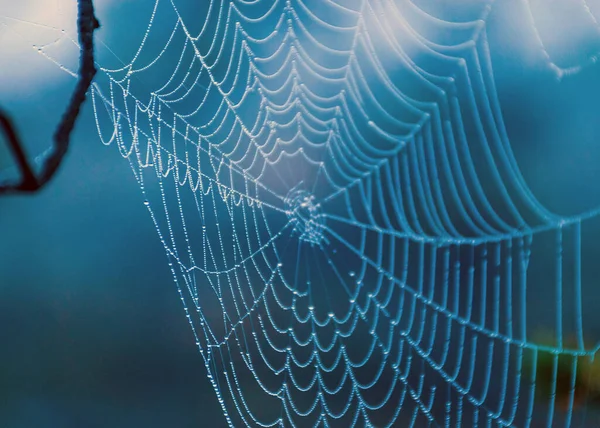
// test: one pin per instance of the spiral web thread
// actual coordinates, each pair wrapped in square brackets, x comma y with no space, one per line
[342,213]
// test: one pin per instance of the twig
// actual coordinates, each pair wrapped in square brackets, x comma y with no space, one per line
[30,182]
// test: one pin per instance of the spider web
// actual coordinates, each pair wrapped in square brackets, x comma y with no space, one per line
[343,215]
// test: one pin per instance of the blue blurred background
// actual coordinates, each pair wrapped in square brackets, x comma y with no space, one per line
[92,332]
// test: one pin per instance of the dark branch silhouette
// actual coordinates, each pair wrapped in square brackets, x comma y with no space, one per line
[29,180]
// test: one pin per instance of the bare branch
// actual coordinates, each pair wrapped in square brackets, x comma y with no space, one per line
[30,182]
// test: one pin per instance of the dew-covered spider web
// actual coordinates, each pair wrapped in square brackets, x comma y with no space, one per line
[343,215]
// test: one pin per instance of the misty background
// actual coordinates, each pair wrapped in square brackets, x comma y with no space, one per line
[92,332]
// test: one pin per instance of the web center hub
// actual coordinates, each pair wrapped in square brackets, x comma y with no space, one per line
[304,211]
